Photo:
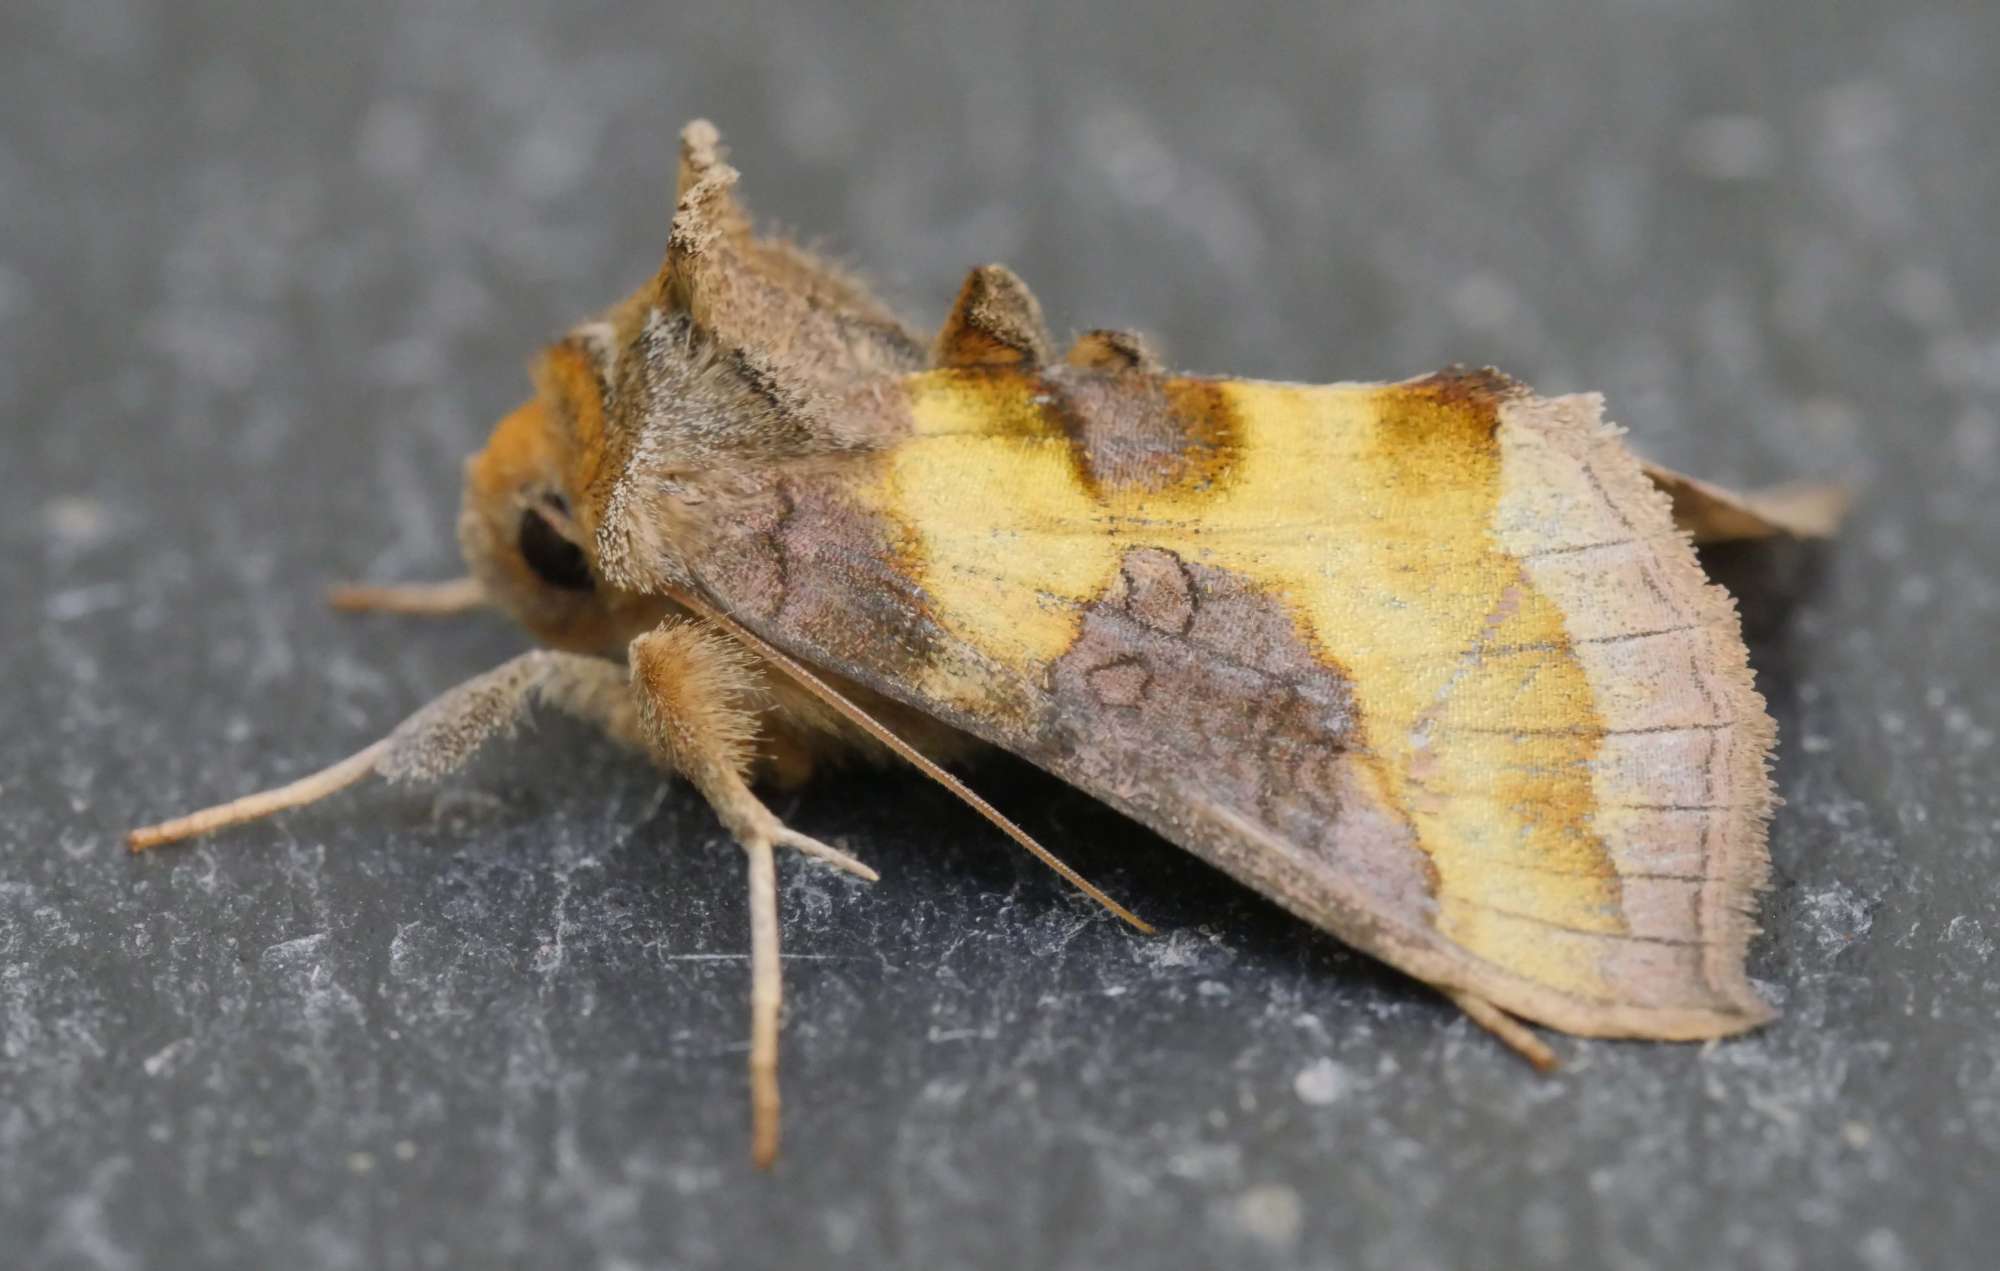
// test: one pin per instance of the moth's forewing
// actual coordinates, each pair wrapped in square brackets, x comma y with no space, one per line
[1427,663]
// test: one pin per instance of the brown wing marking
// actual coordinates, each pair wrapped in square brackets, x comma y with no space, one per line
[1186,687]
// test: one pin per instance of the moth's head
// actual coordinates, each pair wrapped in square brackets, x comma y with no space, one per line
[525,523]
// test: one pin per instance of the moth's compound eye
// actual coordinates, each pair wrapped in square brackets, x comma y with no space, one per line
[555,560]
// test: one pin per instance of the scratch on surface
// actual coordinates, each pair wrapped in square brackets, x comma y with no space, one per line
[550,953]
[287,954]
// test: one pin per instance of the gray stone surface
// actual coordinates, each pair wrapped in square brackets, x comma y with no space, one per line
[266,273]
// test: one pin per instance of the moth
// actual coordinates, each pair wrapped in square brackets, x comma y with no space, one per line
[1432,664]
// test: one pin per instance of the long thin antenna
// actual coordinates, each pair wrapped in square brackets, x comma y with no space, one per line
[880,732]
[251,806]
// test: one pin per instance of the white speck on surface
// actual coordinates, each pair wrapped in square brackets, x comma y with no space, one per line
[1322,1082]
[293,954]
[1179,949]
[167,1058]
[1837,917]
[1965,935]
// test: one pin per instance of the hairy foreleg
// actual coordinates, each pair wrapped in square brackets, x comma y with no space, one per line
[698,695]
[439,738]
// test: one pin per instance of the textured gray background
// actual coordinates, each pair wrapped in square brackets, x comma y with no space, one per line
[267,272]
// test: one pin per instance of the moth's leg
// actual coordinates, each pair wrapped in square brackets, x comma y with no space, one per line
[711,746]
[1103,350]
[696,691]
[1513,1032]
[445,734]
[456,596]
[1715,514]
[767,995]
[786,760]
[697,694]
[439,738]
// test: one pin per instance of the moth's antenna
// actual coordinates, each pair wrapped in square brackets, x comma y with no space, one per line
[880,732]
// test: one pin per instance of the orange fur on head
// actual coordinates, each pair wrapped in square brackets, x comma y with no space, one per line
[537,461]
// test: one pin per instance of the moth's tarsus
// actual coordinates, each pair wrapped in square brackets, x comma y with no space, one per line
[786,836]
[250,807]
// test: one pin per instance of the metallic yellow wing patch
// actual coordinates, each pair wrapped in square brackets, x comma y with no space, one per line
[1397,524]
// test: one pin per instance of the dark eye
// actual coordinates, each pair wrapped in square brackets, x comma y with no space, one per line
[555,560]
